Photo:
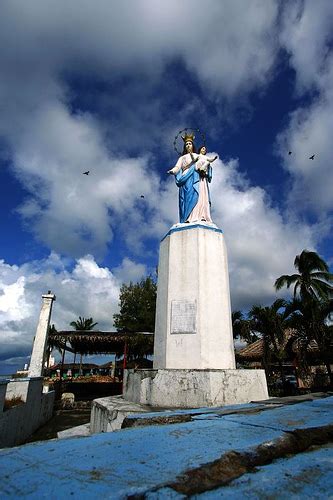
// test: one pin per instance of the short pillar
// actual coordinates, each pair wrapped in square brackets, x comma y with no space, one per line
[40,341]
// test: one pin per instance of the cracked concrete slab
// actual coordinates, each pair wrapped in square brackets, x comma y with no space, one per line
[155,461]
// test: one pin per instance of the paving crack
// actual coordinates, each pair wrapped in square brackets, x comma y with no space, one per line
[234,464]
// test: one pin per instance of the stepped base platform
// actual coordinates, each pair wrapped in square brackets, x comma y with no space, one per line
[152,390]
[190,388]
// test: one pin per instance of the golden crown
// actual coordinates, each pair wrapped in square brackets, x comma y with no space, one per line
[188,137]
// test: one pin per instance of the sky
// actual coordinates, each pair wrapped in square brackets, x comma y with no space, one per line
[105,86]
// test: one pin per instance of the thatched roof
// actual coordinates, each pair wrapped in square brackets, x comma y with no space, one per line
[97,342]
[252,352]
[73,366]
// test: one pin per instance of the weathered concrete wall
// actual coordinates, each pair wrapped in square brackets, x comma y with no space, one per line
[23,386]
[19,422]
[194,388]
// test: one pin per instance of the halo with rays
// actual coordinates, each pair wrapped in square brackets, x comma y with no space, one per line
[187,130]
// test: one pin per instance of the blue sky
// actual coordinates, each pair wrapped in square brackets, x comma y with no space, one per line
[105,87]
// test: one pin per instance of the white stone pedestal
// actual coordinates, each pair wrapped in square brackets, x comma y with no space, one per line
[194,360]
[193,317]
[194,388]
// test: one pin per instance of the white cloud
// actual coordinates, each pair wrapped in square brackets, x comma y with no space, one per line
[306,34]
[130,271]
[307,37]
[261,244]
[11,304]
[51,146]
[87,290]
[226,48]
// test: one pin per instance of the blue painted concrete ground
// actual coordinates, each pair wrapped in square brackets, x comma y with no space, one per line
[307,475]
[145,459]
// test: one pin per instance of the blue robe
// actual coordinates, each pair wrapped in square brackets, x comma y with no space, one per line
[189,190]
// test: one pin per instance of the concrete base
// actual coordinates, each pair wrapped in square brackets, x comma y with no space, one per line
[107,414]
[194,388]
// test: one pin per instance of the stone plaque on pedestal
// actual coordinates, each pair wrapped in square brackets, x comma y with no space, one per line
[183,316]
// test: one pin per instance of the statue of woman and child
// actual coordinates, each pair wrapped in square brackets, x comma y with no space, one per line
[193,172]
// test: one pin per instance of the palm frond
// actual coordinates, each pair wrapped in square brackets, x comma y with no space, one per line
[285,280]
[309,261]
[321,289]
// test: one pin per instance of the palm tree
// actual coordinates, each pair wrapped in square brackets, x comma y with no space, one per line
[271,324]
[312,280]
[243,328]
[310,321]
[83,324]
[236,320]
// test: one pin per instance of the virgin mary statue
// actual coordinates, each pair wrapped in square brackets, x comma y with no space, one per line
[192,173]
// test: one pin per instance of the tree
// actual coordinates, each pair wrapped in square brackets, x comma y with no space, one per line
[137,314]
[243,328]
[271,324]
[313,278]
[83,324]
[308,314]
[310,320]
[137,307]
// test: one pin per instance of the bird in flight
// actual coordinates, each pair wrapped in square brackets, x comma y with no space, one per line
[311,157]
[86,173]
[289,152]
[142,196]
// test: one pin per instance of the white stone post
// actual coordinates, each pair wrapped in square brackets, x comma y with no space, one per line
[40,341]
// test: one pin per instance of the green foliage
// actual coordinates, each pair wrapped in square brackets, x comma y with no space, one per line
[310,320]
[313,278]
[308,313]
[137,307]
[243,328]
[51,343]
[270,322]
[83,324]
[140,346]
